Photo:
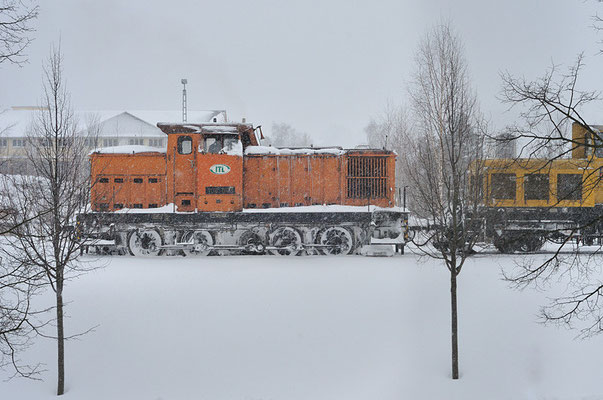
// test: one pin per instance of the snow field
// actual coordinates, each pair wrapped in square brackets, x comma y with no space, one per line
[308,328]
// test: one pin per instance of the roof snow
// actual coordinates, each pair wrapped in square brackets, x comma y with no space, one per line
[131,149]
[266,150]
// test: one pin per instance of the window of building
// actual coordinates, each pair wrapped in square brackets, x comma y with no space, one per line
[65,142]
[536,187]
[3,142]
[18,143]
[156,142]
[185,145]
[503,186]
[569,187]
[110,142]
[136,141]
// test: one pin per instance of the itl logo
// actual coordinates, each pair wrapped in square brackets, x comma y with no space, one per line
[219,169]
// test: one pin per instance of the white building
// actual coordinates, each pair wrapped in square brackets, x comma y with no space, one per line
[111,128]
[105,128]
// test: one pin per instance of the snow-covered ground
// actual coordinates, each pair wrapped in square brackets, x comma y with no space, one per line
[272,328]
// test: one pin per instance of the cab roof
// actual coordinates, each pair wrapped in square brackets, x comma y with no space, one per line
[209,128]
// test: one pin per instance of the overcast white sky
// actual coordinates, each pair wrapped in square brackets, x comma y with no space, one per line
[325,67]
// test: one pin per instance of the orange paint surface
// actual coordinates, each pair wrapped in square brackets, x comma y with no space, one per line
[198,181]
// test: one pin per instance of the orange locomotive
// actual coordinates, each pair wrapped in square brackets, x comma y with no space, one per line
[215,189]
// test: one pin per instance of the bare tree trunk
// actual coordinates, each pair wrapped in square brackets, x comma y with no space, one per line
[454,326]
[60,341]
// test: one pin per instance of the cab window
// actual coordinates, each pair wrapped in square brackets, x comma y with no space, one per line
[219,143]
[230,142]
[212,145]
[185,145]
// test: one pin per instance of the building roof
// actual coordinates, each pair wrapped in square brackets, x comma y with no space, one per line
[15,121]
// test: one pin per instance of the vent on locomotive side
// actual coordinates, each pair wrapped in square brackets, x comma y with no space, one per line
[367,177]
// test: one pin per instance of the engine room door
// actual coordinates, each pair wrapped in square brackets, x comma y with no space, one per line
[184,182]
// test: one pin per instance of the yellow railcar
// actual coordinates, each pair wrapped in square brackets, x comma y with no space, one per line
[529,200]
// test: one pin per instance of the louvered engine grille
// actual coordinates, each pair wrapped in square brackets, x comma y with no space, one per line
[367,177]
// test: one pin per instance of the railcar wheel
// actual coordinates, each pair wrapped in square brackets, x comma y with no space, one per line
[339,241]
[201,241]
[558,238]
[529,244]
[252,243]
[287,239]
[145,242]
[504,244]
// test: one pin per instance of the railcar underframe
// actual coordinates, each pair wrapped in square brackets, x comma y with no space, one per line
[203,233]
[526,229]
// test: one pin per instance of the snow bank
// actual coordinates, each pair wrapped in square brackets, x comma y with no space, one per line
[130,149]
[299,328]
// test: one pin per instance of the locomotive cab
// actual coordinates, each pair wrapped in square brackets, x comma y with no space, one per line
[205,165]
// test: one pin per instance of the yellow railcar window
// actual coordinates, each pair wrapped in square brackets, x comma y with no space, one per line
[503,186]
[536,187]
[569,187]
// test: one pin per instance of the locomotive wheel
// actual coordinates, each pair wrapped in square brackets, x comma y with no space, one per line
[288,239]
[339,241]
[252,242]
[145,242]
[202,240]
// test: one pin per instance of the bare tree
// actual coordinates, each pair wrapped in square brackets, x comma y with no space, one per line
[547,105]
[19,320]
[445,143]
[15,28]
[47,239]
[388,131]
[285,135]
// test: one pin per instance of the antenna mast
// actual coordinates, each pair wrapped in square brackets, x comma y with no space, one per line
[184,81]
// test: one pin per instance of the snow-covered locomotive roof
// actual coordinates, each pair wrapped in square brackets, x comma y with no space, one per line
[128,149]
[204,128]
[265,150]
